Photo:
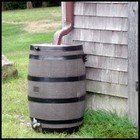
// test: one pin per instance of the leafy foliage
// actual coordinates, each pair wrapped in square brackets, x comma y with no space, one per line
[12,5]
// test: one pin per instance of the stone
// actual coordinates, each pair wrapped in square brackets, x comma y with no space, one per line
[8,68]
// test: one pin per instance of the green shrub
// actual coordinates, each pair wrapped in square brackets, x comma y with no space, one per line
[49,3]
[53,3]
[14,5]
[37,3]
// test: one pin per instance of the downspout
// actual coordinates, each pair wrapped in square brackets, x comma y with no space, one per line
[69,8]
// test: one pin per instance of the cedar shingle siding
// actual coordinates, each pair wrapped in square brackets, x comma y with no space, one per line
[102,29]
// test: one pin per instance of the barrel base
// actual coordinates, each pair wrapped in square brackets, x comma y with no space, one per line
[61,130]
[38,128]
[58,130]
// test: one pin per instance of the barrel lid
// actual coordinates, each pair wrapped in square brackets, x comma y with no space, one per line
[65,47]
[53,45]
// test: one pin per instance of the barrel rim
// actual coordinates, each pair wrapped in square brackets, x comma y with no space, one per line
[53,45]
[49,47]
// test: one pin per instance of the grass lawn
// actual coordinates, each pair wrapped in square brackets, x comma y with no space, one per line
[20,28]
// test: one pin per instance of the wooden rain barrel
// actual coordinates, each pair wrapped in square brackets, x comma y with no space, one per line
[56,87]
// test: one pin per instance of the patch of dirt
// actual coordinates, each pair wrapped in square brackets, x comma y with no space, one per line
[42,26]
[39,26]
[12,22]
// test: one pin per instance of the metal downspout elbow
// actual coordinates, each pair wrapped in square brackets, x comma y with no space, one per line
[69,6]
